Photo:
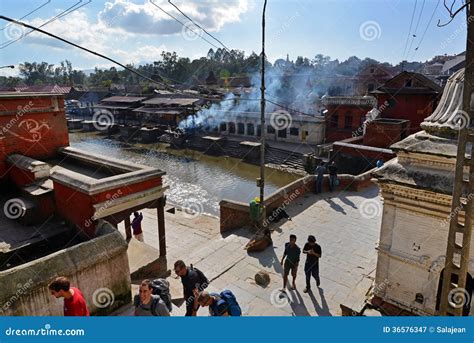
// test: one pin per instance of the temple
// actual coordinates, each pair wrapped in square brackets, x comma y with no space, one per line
[416,188]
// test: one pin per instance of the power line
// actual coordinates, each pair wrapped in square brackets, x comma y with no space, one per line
[60,15]
[409,30]
[427,26]
[199,26]
[85,49]
[416,28]
[184,25]
[26,15]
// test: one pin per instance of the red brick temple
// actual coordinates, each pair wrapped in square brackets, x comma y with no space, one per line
[50,178]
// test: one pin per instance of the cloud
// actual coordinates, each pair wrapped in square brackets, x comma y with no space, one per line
[148,19]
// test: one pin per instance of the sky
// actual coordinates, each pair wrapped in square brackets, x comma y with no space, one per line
[137,31]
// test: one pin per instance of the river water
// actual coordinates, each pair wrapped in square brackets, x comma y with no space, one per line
[195,180]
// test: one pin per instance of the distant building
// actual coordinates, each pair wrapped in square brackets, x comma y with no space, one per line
[370,78]
[345,115]
[409,96]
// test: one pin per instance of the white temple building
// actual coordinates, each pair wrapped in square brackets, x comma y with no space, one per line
[416,188]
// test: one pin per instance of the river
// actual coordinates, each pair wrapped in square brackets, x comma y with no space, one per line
[195,180]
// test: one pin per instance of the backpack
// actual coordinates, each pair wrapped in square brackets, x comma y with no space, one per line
[203,281]
[161,287]
[233,306]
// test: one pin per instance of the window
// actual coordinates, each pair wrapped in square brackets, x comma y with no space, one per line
[223,127]
[241,128]
[231,127]
[282,133]
[408,83]
[250,129]
[294,131]
[270,129]
[348,121]
[370,87]
[335,120]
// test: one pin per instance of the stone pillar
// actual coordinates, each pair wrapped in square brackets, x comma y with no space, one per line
[128,230]
[161,227]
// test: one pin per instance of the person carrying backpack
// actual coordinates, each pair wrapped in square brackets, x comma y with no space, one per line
[148,304]
[194,281]
[220,305]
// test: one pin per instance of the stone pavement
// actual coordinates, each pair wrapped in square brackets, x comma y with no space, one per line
[347,237]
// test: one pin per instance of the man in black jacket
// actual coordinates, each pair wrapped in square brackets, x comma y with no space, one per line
[194,281]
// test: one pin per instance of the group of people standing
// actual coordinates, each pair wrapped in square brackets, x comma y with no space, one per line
[291,259]
[322,169]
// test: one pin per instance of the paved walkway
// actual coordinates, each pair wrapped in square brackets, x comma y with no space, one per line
[348,240]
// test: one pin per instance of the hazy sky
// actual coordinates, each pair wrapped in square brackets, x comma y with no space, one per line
[137,31]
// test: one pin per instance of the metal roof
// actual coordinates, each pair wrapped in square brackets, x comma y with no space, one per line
[128,99]
[172,101]
[158,110]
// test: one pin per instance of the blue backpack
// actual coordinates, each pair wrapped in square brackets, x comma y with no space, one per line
[232,305]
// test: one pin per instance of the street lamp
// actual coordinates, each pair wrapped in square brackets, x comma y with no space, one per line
[10,66]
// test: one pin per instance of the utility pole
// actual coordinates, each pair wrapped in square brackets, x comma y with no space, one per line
[261,181]
[459,234]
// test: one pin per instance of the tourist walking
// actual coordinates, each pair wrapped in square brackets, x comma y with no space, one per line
[333,181]
[137,226]
[194,281]
[311,267]
[320,171]
[223,304]
[74,302]
[148,304]
[292,254]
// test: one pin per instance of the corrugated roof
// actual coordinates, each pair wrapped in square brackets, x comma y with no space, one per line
[128,99]
[158,110]
[172,101]
[54,89]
